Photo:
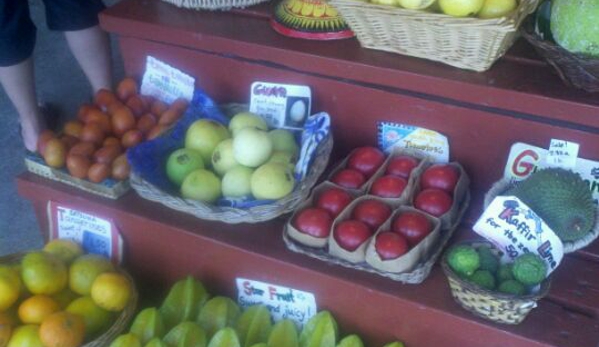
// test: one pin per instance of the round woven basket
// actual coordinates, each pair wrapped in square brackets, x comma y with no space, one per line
[213,5]
[494,306]
[120,324]
[501,186]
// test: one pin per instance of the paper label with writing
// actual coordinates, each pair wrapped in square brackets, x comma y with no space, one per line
[525,159]
[515,229]
[427,142]
[166,83]
[562,154]
[96,235]
[281,105]
[282,302]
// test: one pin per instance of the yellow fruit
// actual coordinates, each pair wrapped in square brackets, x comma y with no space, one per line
[10,287]
[461,8]
[26,336]
[85,269]
[415,4]
[497,8]
[6,324]
[385,2]
[43,273]
[126,340]
[66,250]
[111,291]
[62,329]
[34,309]
[97,319]
[64,297]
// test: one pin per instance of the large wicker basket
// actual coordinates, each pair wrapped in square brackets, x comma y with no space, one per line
[214,4]
[467,43]
[120,324]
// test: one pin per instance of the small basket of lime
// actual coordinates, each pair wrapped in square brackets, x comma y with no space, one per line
[501,292]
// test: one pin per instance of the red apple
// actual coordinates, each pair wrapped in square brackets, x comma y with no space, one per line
[388,186]
[433,201]
[372,212]
[350,234]
[390,245]
[413,226]
[333,200]
[366,160]
[440,176]
[349,178]
[401,166]
[314,222]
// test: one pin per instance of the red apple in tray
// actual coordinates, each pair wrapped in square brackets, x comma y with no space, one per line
[313,221]
[388,186]
[440,176]
[401,166]
[372,212]
[390,245]
[413,226]
[349,178]
[433,201]
[366,160]
[333,200]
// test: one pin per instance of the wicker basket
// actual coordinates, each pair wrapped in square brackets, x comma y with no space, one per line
[467,43]
[575,70]
[212,5]
[494,306]
[120,324]
[569,246]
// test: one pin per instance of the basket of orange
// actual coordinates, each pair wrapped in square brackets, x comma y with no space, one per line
[59,296]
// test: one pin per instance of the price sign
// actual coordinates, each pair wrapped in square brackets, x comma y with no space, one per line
[281,105]
[166,83]
[282,302]
[427,142]
[562,154]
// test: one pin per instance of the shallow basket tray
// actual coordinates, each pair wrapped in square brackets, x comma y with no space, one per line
[575,70]
[233,215]
[569,246]
[494,306]
[467,43]
[416,276]
[120,324]
[214,4]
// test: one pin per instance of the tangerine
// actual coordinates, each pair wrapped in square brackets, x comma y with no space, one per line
[96,318]
[26,336]
[111,291]
[84,271]
[43,273]
[62,329]
[10,287]
[33,310]
[67,250]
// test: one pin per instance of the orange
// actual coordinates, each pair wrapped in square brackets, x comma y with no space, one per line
[111,291]
[85,269]
[10,287]
[67,250]
[25,336]
[62,329]
[6,324]
[34,309]
[97,319]
[43,273]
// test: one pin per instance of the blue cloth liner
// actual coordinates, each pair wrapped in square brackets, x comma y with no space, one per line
[148,159]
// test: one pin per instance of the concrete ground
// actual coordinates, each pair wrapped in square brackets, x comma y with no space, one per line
[60,81]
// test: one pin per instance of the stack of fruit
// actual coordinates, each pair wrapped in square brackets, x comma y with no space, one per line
[93,146]
[60,297]
[244,161]
[458,8]
[187,317]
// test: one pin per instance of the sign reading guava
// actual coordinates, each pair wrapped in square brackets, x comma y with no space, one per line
[166,83]
[281,105]
[427,142]
[282,302]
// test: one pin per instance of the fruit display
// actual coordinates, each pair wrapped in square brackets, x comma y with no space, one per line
[60,296]
[457,8]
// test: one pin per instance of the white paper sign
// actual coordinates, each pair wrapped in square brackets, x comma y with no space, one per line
[282,302]
[562,154]
[96,235]
[525,159]
[427,142]
[166,83]
[515,229]
[281,105]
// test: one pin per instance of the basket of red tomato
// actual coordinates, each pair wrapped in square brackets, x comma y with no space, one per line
[390,215]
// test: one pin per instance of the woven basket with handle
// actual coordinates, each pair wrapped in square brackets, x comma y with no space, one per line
[214,4]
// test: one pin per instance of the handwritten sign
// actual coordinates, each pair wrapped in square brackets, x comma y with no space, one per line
[281,105]
[166,83]
[282,302]
[427,142]
[515,229]
[96,235]
[562,154]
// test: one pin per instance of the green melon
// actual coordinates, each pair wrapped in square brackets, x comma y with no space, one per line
[575,25]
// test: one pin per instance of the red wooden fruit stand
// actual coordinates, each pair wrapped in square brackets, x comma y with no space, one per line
[519,99]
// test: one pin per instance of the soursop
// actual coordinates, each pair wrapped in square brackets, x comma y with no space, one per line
[575,25]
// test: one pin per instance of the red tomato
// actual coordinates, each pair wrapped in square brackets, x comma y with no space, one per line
[366,160]
[433,201]
[350,234]
[401,166]
[349,178]
[390,245]
[388,186]
[413,226]
[372,212]
[333,200]
[440,176]
[314,222]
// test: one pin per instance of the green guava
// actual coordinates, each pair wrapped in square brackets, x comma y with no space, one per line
[575,25]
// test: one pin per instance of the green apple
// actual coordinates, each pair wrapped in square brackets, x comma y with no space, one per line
[246,120]
[272,181]
[201,185]
[252,147]
[237,182]
[283,140]
[204,135]
[284,158]
[181,162]
[223,159]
